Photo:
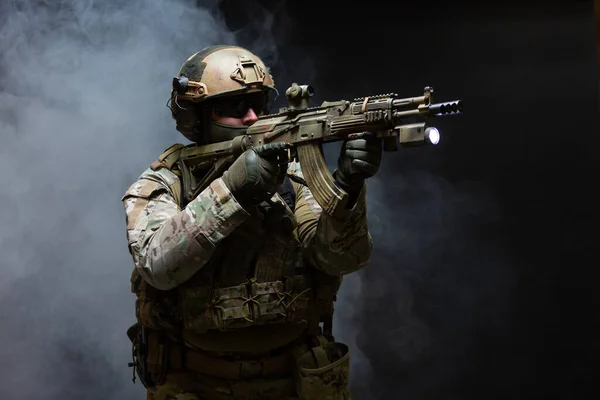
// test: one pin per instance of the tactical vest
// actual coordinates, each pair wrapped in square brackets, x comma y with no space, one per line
[256,276]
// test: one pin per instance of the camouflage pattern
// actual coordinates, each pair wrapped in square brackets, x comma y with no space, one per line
[323,373]
[207,68]
[335,246]
[170,245]
[186,386]
[241,280]
[319,373]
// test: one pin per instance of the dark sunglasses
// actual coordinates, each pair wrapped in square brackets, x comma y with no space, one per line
[237,107]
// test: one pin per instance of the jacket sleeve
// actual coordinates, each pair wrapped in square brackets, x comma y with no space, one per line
[169,245]
[335,246]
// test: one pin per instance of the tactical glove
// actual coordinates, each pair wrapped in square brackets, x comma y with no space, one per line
[256,174]
[359,159]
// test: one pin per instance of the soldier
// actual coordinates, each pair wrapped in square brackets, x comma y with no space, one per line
[235,289]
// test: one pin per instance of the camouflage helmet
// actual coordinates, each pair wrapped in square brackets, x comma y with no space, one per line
[210,74]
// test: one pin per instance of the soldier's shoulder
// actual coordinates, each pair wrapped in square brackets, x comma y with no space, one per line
[151,181]
[158,176]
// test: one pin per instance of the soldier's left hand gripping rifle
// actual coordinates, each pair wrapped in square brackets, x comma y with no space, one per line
[394,119]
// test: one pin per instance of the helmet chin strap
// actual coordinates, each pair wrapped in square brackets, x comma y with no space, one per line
[220,132]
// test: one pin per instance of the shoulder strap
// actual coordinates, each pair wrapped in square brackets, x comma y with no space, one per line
[168,159]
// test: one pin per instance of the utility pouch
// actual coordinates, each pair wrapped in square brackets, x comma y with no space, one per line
[150,355]
[323,373]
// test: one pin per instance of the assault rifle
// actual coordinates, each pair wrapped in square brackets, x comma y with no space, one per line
[306,128]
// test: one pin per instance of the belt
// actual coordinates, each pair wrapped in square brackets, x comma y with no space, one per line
[205,364]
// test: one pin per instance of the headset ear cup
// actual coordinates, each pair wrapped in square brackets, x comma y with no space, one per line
[180,84]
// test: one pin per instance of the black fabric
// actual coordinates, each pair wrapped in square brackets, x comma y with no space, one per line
[287,193]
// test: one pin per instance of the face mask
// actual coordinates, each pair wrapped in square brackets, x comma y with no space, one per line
[221,132]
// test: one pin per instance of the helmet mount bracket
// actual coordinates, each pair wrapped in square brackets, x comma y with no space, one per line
[189,90]
[248,72]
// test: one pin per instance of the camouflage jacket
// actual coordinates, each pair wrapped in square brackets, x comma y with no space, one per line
[169,245]
[184,249]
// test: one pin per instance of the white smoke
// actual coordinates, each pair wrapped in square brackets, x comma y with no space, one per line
[83,87]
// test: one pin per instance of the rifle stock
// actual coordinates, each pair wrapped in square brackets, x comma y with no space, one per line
[308,128]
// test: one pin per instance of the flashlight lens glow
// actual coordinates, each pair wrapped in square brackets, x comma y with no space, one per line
[433,135]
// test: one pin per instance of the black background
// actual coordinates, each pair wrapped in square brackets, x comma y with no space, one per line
[505,279]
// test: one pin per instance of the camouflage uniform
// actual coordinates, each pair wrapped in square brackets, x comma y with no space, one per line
[230,300]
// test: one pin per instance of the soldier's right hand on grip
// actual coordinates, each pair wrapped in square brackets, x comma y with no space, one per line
[257,173]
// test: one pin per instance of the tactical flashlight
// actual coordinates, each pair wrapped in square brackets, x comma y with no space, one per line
[432,135]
